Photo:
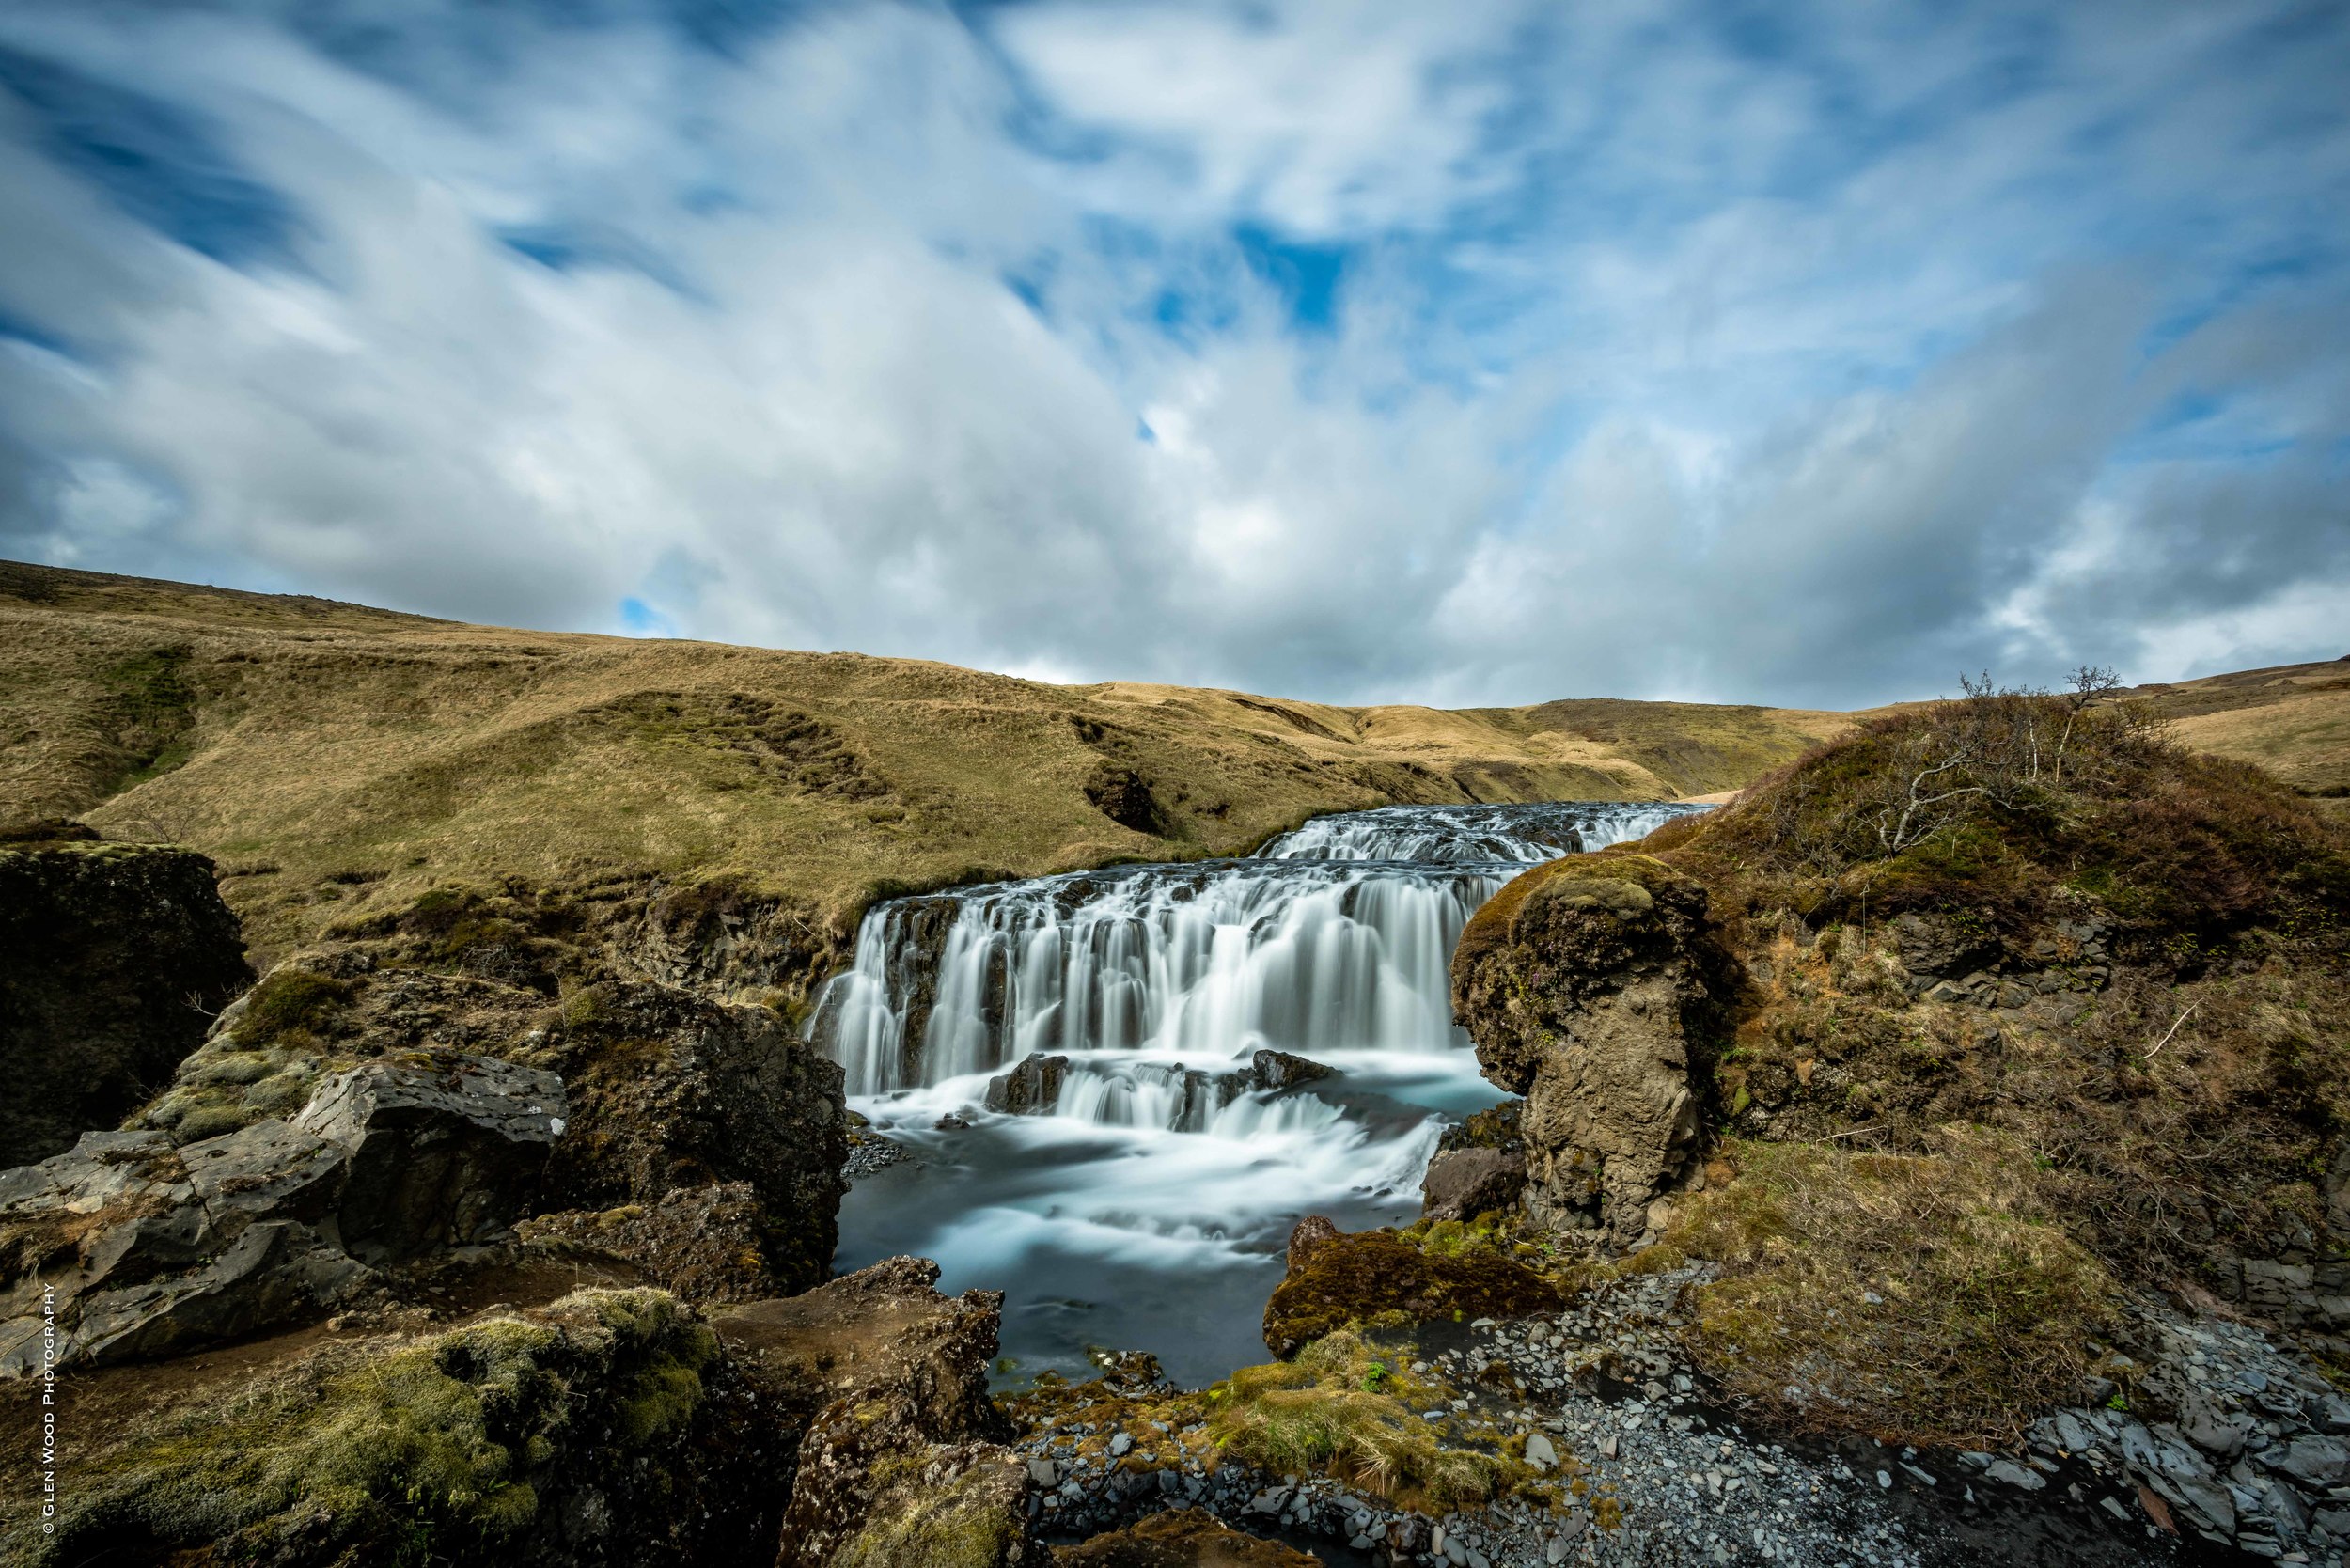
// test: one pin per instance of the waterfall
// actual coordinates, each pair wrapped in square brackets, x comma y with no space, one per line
[1522,835]
[1136,1181]
[1198,963]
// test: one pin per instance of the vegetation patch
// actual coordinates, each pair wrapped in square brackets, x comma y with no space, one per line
[442,1450]
[1351,1410]
[1386,1278]
[1925,1299]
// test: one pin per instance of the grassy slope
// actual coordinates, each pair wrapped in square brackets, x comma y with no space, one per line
[2294,720]
[334,756]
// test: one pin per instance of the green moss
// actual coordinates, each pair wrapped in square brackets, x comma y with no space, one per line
[1348,1409]
[960,1524]
[1357,1278]
[290,1001]
[446,1443]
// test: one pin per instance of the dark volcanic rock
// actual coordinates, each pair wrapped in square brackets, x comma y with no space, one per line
[437,1157]
[1465,1183]
[151,1250]
[1125,798]
[670,1090]
[1275,1071]
[1032,1088]
[706,1244]
[111,959]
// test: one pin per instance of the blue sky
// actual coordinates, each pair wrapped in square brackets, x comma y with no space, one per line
[1476,353]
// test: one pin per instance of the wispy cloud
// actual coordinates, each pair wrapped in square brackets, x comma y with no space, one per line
[1337,349]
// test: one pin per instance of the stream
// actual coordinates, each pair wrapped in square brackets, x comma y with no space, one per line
[1147,1206]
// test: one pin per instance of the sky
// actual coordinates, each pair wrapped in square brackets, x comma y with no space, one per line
[1472,354]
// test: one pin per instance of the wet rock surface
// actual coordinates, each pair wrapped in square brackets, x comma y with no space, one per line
[117,956]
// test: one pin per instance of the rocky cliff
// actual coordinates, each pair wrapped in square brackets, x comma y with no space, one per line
[113,959]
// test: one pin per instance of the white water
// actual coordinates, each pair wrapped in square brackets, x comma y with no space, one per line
[1148,1208]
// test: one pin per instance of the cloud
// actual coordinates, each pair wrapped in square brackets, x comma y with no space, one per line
[1313,348]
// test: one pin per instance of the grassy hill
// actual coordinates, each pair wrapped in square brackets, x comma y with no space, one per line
[339,760]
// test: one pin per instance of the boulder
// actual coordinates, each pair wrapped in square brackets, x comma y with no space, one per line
[116,957]
[144,1249]
[137,1254]
[1583,983]
[670,1090]
[1031,1087]
[1463,1184]
[903,1458]
[1358,1277]
[1272,1072]
[440,1156]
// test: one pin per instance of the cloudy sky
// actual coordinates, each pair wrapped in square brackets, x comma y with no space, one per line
[1466,353]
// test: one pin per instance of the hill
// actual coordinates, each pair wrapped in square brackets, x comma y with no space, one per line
[338,761]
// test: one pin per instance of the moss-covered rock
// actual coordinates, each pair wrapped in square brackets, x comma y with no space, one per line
[1372,1276]
[1593,985]
[117,955]
[587,1431]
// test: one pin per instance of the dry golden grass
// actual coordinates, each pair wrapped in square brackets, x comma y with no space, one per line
[339,760]
[2293,720]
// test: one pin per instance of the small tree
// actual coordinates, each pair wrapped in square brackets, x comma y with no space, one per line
[2090,684]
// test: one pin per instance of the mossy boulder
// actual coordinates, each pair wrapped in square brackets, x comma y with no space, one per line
[606,1428]
[116,957]
[1368,1277]
[1184,1538]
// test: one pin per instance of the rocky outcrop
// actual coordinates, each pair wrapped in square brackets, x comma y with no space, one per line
[670,1090]
[706,1243]
[1031,1087]
[1461,1184]
[666,1091]
[607,1427]
[139,1248]
[117,955]
[1338,1278]
[903,1458]
[1587,984]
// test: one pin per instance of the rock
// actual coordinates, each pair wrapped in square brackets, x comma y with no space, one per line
[1581,982]
[706,1244]
[902,1461]
[1184,1538]
[1032,1088]
[2314,1461]
[607,1427]
[1307,1235]
[1343,1277]
[117,956]
[668,1090]
[1466,1183]
[444,1156]
[1274,1071]
[1539,1451]
[142,1263]
[1125,797]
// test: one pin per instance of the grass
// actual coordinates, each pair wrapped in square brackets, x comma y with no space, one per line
[366,758]
[1350,1409]
[433,1451]
[1925,1299]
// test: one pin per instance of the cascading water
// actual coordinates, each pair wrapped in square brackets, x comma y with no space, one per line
[1147,1206]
